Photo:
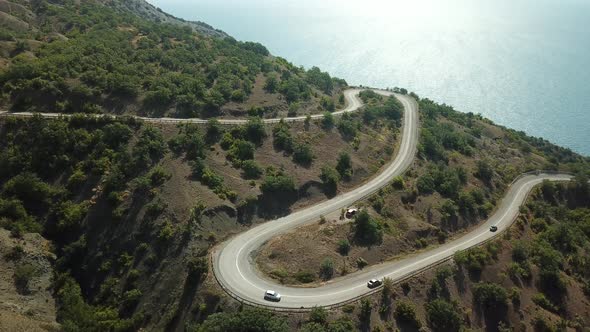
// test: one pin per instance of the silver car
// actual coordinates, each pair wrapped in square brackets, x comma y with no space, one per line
[271,295]
[373,283]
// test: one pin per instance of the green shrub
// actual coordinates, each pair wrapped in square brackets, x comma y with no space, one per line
[474,259]
[213,131]
[365,311]
[347,127]
[255,131]
[23,274]
[282,138]
[330,178]
[490,296]
[251,169]
[241,150]
[542,301]
[361,263]
[303,154]
[76,180]
[367,230]
[278,184]
[158,176]
[131,298]
[327,269]
[166,232]
[318,315]
[406,313]
[197,268]
[519,270]
[398,183]
[443,316]
[343,247]
[249,319]
[304,277]
[328,121]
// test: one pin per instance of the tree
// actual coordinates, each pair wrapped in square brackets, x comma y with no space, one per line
[30,190]
[443,316]
[484,172]
[214,131]
[271,84]
[327,269]
[238,96]
[367,230]
[386,293]
[249,319]
[347,127]
[251,169]
[74,313]
[149,148]
[425,184]
[241,150]
[474,259]
[343,247]
[330,178]
[302,153]
[328,104]
[343,324]
[279,185]
[466,204]
[116,134]
[328,121]
[318,315]
[23,275]
[319,79]
[282,138]
[255,131]
[312,327]
[448,210]
[344,165]
[406,313]
[197,268]
[365,312]
[490,296]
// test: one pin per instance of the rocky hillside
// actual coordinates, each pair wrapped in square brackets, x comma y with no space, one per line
[26,297]
[148,11]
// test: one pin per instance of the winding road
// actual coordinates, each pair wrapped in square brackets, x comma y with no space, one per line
[234,261]
[234,264]
[353,103]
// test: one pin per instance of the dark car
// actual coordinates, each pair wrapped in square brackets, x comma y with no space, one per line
[350,213]
[493,228]
[373,283]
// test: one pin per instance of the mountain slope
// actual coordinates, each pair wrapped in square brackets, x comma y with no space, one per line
[102,57]
[148,11]
[132,209]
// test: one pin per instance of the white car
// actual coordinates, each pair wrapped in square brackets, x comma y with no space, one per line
[271,295]
[374,283]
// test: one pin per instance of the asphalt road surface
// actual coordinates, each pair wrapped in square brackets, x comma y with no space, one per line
[234,261]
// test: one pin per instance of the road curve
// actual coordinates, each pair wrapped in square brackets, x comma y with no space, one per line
[353,103]
[234,261]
